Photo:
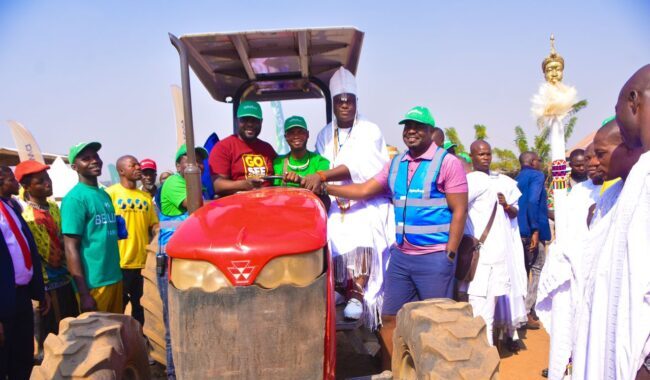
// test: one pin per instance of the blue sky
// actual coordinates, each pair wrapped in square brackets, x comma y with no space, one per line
[72,71]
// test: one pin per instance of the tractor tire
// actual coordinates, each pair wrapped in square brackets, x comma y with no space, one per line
[440,339]
[154,326]
[95,346]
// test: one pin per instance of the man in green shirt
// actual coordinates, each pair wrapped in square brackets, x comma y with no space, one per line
[299,162]
[173,194]
[90,234]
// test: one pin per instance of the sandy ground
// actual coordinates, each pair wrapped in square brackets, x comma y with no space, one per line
[525,365]
[530,361]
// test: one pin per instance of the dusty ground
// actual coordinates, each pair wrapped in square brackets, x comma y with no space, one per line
[530,361]
[527,364]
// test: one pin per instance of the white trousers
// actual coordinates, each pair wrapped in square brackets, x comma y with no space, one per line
[484,306]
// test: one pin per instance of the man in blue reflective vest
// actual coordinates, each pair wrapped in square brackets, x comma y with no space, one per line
[429,191]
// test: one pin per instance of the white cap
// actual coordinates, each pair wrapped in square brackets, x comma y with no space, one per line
[343,82]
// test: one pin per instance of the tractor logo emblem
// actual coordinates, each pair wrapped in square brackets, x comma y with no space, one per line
[241,271]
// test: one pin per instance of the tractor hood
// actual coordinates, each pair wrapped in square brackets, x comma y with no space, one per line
[241,233]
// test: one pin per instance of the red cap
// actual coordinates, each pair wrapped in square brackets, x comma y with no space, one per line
[148,163]
[29,167]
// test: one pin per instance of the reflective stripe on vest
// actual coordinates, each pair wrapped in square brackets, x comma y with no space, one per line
[422,215]
[170,224]
[402,229]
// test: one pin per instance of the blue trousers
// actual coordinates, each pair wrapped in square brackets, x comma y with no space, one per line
[163,283]
[412,278]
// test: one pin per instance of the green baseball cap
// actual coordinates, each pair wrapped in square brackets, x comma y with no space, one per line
[419,114]
[465,157]
[295,122]
[75,150]
[200,151]
[249,108]
[608,120]
[448,144]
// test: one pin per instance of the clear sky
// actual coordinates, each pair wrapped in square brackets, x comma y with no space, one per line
[75,71]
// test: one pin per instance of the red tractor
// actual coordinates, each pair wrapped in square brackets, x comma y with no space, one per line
[261,287]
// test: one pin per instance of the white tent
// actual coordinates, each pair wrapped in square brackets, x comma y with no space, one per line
[63,178]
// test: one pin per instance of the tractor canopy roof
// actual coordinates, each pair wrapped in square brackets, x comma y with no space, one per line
[272,65]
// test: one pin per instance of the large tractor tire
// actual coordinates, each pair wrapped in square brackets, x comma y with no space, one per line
[95,346]
[440,339]
[154,326]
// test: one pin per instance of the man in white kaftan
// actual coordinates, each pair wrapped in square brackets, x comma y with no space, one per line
[614,321]
[360,232]
[613,337]
[491,279]
[511,310]
[558,294]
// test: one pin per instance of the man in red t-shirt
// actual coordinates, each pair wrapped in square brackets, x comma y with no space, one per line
[238,162]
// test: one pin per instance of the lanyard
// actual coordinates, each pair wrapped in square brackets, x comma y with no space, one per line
[337,146]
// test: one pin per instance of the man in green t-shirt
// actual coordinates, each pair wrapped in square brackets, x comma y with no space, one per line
[299,162]
[173,194]
[90,234]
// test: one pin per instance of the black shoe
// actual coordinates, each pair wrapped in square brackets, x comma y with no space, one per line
[545,372]
[535,317]
[512,345]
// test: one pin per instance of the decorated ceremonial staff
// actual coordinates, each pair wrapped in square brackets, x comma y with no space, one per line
[551,105]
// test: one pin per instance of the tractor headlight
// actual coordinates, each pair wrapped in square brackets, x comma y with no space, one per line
[186,274]
[297,270]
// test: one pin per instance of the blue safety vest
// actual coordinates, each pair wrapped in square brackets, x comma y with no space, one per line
[168,225]
[421,212]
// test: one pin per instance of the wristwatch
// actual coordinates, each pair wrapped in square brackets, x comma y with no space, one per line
[451,255]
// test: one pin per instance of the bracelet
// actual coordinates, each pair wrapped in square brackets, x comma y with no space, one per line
[322,176]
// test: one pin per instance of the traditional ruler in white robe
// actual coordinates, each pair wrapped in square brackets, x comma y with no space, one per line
[614,326]
[367,224]
[491,278]
[511,308]
[559,291]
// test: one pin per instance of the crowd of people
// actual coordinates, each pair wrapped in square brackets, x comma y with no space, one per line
[395,226]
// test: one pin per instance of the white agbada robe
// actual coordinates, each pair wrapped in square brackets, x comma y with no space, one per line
[491,278]
[559,290]
[367,224]
[614,325]
[511,308]
[606,202]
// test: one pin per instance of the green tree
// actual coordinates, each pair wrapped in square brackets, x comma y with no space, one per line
[480,132]
[521,140]
[452,135]
[504,161]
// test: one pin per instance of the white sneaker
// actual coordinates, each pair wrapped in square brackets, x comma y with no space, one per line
[354,309]
[339,299]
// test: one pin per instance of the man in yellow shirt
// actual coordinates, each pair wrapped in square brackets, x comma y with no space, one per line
[137,209]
